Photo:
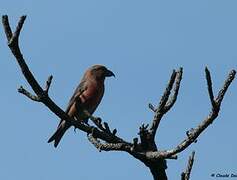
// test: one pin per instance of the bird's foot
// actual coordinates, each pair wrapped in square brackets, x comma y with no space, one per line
[86,122]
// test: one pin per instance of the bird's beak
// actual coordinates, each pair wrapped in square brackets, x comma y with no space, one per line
[109,73]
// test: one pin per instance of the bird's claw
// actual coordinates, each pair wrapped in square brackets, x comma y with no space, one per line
[86,122]
[98,120]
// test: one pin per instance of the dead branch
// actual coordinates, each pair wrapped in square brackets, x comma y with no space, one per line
[166,101]
[195,132]
[186,174]
[101,136]
[108,146]
[28,94]
[42,95]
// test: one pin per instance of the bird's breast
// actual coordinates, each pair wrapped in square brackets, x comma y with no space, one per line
[92,96]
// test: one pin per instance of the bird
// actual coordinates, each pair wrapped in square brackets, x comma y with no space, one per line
[87,95]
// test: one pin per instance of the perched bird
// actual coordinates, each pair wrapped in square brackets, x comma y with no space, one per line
[87,95]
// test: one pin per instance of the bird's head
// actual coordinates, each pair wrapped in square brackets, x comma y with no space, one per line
[100,72]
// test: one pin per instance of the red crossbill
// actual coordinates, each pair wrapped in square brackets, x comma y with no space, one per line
[88,95]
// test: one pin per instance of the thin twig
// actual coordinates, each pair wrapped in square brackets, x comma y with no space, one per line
[186,174]
[6,27]
[209,87]
[168,89]
[160,110]
[48,83]
[173,98]
[16,34]
[227,83]
[28,94]
[152,107]
[14,46]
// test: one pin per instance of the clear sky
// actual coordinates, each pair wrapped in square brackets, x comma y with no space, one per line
[141,41]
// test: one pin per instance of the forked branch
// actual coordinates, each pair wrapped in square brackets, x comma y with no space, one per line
[166,102]
[193,134]
[102,137]
[42,95]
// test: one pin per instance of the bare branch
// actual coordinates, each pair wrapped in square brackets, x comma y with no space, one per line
[127,147]
[166,94]
[33,97]
[109,146]
[14,46]
[193,135]
[114,132]
[134,146]
[28,94]
[145,137]
[182,176]
[14,39]
[146,151]
[227,83]
[48,83]
[6,27]
[173,99]
[152,107]
[162,108]
[98,122]
[209,87]
[157,155]
[186,175]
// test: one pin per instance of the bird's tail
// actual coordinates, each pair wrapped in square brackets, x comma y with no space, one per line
[57,136]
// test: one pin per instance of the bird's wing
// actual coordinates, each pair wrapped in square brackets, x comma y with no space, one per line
[79,90]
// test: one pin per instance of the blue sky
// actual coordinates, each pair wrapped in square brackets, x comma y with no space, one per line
[141,41]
